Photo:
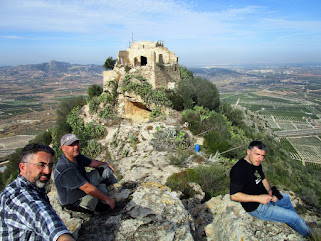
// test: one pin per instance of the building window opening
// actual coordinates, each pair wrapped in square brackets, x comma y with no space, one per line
[143,61]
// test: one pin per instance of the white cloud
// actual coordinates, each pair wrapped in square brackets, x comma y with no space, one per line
[180,23]
[10,37]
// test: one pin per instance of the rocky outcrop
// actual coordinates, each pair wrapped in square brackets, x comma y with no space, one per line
[151,211]
[231,222]
[154,213]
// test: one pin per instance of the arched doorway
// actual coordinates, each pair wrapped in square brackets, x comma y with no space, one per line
[143,60]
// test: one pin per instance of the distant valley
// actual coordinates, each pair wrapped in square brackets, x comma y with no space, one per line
[288,97]
[29,88]
[30,94]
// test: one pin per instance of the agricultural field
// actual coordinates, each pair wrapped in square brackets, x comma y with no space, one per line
[308,148]
[285,110]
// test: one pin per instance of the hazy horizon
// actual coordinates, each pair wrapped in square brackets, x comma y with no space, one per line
[314,64]
[200,33]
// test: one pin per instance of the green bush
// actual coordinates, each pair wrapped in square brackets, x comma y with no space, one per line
[107,112]
[44,137]
[110,63]
[212,143]
[85,132]
[177,101]
[213,179]
[185,73]
[12,169]
[94,105]
[170,139]
[194,121]
[106,98]
[178,158]
[64,108]
[92,149]
[156,112]
[127,68]
[235,116]
[196,91]
[207,94]
[186,89]
[94,90]
[145,90]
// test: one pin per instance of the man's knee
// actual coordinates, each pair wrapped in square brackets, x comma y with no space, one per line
[107,175]
[286,196]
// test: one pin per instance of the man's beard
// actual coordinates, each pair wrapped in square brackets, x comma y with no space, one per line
[41,184]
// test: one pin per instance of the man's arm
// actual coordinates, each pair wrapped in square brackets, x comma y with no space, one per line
[242,197]
[268,189]
[65,237]
[267,186]
[95,192]
[96,163]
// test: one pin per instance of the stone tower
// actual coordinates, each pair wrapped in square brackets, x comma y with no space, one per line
[149,59]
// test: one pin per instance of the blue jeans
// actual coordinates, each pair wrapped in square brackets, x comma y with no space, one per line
[282,211]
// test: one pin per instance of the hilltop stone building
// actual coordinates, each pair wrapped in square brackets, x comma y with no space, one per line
[149,59]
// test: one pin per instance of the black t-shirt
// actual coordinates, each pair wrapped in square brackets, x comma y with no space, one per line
[69,176]
[247,178]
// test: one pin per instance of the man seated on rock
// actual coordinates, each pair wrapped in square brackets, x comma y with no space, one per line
[25,210]
[250,187]
[77,189]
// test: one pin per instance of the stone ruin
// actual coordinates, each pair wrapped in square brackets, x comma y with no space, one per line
[151,60]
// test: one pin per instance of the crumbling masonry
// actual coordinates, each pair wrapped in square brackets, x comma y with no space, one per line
[149,59]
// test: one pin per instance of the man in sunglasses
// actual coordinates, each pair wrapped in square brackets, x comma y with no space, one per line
[77,189]
[25,210]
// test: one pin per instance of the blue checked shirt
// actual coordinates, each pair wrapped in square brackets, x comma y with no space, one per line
[26,214]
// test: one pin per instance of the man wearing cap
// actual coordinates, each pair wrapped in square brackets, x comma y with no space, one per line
[25,210]
[77,189]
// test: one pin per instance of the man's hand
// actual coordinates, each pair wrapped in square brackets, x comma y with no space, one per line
[264,198]
[91,190]
[110,201]
[96,163]
[274,199]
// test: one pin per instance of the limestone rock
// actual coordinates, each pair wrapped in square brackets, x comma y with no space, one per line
[155,213]
[73,223]
[222,219]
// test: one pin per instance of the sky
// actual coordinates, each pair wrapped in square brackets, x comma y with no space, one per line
[200,33]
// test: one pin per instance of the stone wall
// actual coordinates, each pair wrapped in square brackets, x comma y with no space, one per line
[149,59]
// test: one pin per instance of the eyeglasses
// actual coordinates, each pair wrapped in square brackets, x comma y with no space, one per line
[42,165]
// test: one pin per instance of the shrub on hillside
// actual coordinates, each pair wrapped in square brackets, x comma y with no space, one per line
[214,180]
[235,116]
[185,73]
[92,149]
[178,158]
[140,86]
[196,91]
[207,94]
[212,143]
[64,108]
[186,89]
[176,99]
[12,169]
[44,137]
[93,105]
[170,139]
[94,90]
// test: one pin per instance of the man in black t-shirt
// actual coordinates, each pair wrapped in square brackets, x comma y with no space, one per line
[250,187]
